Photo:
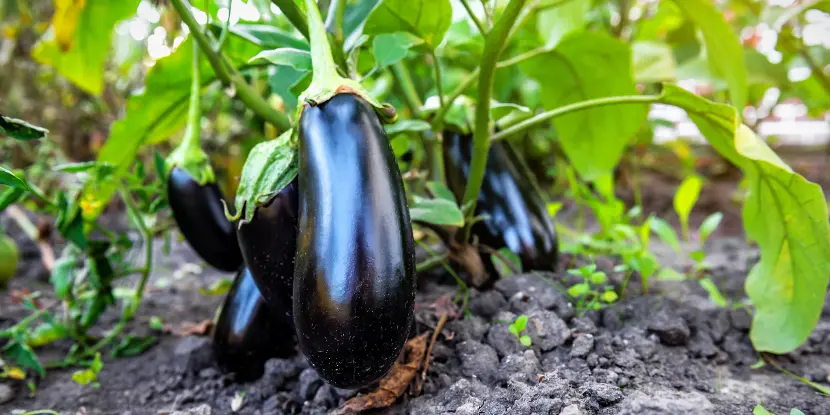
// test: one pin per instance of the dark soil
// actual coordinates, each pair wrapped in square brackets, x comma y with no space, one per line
[671,352]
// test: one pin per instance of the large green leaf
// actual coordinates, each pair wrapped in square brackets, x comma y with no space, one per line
[426,19]
[391,48]
[723,48]
[271,165]
[653,62]
[84,62]
[439,211]
[578,70]
[785,215]
[560,19]
[8,178]
[156,113]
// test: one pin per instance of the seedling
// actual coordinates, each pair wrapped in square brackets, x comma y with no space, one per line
[593,292]
[517,327]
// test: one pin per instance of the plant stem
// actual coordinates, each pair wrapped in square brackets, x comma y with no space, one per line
[481,135]
[334,19]
[322,59]
[294,15]
[407,87]
[438,86]
[474,18]
[246,94]
[567,109]
[224,36]
[431,262]
[438,120]
[192,136]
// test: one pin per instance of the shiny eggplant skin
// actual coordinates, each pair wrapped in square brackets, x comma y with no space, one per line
[201,218]
[354,280]
[246,335]
[516,215]
[268,242]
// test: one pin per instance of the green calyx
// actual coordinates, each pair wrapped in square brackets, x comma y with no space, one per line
[189,155]
[326,82]
[270,166]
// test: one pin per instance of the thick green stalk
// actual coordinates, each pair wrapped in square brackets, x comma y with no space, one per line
[246,94]
[296,16]
[325,70]
[481,134]
[438,85]
[567,109]
[192,141]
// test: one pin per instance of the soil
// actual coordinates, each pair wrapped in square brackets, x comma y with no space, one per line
[669,352]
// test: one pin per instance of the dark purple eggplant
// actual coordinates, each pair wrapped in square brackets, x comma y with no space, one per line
[246,334]
[354,281]
[516,216]
[201,218]
[268,242]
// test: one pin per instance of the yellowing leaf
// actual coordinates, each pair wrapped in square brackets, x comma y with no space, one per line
[65,21]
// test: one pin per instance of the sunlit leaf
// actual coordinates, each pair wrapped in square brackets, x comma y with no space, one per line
[784,214]
[295,58]
[426,19]
[80,55]
[391,48]
[437,212]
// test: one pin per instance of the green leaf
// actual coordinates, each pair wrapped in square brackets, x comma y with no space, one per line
[653,62]
[670,274]
[723,48]
[709,225]
[504,269]
[440,191]
[609,296]
[406,126]
[132,346]
[83,63]
[598,278]
[218,288]
[561,18]
[760,410]
[665,232]
[575,71]
[391,48]
[267,36]
[520,323]
[20,130]
[271,165]
[698,255]
[437,212]
[685,199]
[79,167]
[784,214]
[23,356]
[426,19]
[295,58]
[715,295]
[525,341]
[85,377]
[580,289]
[156,323]
[63,275]
[795,411]
[44,334]
[10,196]
[8,178]
[154,114]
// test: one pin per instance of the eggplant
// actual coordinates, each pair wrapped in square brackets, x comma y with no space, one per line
[354,280]
[201,218]
[516,215]
[268,242]
[246,334]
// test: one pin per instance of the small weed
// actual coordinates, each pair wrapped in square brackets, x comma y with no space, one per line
[517,327]
[593,292]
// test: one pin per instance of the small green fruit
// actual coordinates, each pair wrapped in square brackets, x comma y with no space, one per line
[8,259]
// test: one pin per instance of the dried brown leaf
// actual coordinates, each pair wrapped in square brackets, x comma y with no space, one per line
[396,381]
[188,328]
